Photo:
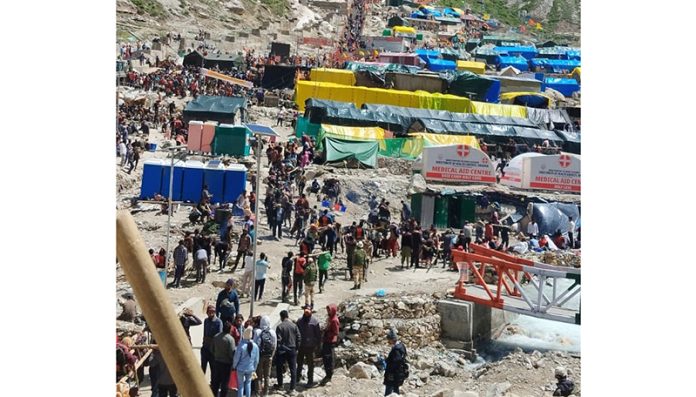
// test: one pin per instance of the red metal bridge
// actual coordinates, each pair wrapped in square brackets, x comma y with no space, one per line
[516,284]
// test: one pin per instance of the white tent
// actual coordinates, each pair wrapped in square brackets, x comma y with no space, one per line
[513,170]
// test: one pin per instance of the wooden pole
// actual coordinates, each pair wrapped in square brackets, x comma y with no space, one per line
[157,309]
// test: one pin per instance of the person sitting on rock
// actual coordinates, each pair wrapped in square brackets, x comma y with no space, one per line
[564,386]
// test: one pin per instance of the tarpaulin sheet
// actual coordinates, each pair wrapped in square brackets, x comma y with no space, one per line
[404,29]
[444,140]
[437,65]
[472,66]
[402,148]
[554,216]
[519,63]
[365,152]
[215,104]
[351,133]
[533,135]
[338,76]
[544,117]
[526,52]
[530,99]
[417,113]
[498,109]
[465,83]
[556,65]
[565,86]
[303,126]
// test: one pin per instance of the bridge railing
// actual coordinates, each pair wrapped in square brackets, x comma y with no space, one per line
[512,272]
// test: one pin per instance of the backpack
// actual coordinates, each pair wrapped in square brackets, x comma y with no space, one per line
[266,343]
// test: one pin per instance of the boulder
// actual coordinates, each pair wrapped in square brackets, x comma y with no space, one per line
[444,369]
[498,389]
[361,370]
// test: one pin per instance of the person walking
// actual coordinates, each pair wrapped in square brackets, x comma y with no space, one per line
[227,304]
[245,289]
[359,260]
[265,338]
[212,326]
[532,229]
[298,276]
[242,248]
[246,359]
[324,263]
[310,278]
[397,368]
[180,259]
[223,353]
[310,333]
[287,266]
[201,264]
[288,338]
[262,267]
[329,341]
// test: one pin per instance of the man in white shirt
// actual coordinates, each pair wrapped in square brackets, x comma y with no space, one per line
[123,152]
[533,229]
[248,273]
[201,264]
[571,232]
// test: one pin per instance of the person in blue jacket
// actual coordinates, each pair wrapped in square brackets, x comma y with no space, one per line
[246,359]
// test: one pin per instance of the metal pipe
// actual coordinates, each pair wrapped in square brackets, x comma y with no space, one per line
[257,190]
[157,309]
[169,210]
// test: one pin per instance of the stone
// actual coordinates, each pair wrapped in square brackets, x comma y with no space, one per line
[361,370]
[444,369]
[442,393]
[498,389]
[401,306]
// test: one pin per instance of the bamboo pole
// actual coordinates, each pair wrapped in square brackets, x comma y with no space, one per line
[157,309]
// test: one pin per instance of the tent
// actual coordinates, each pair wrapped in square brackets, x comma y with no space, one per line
[530,99]
[552,217]
[457,163]
[216,108]
[565,86]
[520,63]
[338,76]
[472,66]
[555,65]
[525,52]
[279,76]
[512,173]
[338,149]
[349,133]
[437,65]
[430,140]
[559,172]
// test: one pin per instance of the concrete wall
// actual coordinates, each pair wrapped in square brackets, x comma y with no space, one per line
[469,322]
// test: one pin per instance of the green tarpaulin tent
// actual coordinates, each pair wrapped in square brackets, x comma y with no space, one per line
[365,152]
[218,108]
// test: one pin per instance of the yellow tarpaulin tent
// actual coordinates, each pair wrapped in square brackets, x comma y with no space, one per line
[352,133]
[494,109]
[404,29]
[575,74]
[443,139]
[474,67]
[337,76]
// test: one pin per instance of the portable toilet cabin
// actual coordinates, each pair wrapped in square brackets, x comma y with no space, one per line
[195,134]
[232,140]
[214,177]
[192,181]
[207,136]
[235,182]
[177,182]
[152,179]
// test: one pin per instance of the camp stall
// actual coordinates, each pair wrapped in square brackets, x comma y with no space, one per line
[222,109]
[529,99]
[518,62]
[339,149]
[443,209]
[338,76]
[565,86]
[231,140]
[280,76]
[472,66]
[546,172]
[456,163]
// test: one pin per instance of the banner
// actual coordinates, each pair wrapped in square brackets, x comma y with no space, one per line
[224,77]
[555,172]
[457,163]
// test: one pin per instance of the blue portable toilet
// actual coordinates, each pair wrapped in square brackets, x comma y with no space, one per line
[177,181]
[193,181]
[235,182]
[152,179]
[214,177]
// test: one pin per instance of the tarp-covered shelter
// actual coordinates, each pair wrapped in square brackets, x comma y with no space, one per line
[280,49]
[553,217]
[350,133]
[338,76]
[518,62]
[525,52]
[430,140]
[222,109]
[512,173]
[280,76]
[338,149]
[472,66]
[213,61]
[396,21]
[565,86]
[529,99]
[437,65]
[516,84]
[554,65]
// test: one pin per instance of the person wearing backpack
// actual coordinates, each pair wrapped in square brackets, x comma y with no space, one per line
[286,266]
[266,339]
[310,277]
[310,338]
[298,275]
[397,366]
[246,359]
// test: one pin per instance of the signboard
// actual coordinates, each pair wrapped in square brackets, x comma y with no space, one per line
[317,41]
[457,163]
[555,172]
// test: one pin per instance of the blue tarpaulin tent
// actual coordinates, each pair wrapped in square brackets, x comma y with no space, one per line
[441,64]
[526,52]
[518,62]
[555,65]
[565,86]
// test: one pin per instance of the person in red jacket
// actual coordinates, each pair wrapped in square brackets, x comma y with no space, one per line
[329,341]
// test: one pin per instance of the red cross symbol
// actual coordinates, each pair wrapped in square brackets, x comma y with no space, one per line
[463,150]
[564,160]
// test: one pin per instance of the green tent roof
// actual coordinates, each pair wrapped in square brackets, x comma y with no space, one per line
[365,152]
